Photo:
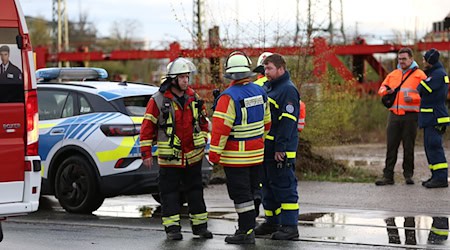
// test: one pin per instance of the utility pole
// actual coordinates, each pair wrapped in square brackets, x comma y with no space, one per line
[297,23]
[330,20]
[60,27]
[198,34]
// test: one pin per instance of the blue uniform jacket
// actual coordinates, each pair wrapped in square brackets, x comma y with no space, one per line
[284,101]
[433,93]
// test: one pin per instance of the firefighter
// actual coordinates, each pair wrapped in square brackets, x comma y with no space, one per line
[433,118]
[279,183]
[261,79]
[240,121]
[176,119]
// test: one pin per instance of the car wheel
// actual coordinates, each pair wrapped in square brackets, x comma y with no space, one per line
[76,187]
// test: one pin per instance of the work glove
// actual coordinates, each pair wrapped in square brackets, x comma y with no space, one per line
[441,129]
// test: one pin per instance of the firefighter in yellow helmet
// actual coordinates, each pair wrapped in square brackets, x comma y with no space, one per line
[176,119]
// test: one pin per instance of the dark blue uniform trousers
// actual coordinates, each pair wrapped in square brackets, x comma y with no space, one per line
[435,153]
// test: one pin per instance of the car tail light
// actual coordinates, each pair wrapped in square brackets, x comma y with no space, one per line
[32,116]
[119,130]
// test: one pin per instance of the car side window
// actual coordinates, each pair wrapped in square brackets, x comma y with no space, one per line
[68,110]
[85,107]
[51,103]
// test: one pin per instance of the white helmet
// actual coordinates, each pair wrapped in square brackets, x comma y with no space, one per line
[180,66]
[237,66]
[260,65]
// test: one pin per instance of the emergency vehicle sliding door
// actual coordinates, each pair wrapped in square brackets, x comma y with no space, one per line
[12,114]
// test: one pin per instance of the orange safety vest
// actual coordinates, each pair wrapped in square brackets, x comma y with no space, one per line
[408,88]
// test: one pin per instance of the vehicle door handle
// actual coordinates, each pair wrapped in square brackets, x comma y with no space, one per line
[57,131]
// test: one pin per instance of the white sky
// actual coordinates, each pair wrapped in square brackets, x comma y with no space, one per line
[164,21]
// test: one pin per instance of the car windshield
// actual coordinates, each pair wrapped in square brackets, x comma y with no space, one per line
[135,105]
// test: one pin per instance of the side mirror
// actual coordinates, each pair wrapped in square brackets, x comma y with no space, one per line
[19,41]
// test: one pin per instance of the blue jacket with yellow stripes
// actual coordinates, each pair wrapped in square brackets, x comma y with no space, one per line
[433,93]
[284,101]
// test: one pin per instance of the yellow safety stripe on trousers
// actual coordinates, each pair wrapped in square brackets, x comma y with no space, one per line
[439,231]
[426,110]
[270,213]
[287,116]
[151,118]
[446,79]
[274,103]
[439,166]
[426,86]
[198,219]
[173,220]
[145,143]
[224,116]
[122,151]
[443,119]
[291,155]
[244,207]
[289,206]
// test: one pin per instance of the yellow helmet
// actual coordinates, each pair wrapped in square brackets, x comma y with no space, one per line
[237,66]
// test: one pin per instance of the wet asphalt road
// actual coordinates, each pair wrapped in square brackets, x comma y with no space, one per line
[332,216]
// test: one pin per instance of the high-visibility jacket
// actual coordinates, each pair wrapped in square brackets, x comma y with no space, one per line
[433,91]
[301,119]
[240,122]
[408,88]
[180,132]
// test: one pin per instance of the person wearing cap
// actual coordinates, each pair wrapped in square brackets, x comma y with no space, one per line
[9,73]
[175,118]
[433,118]
[402,118]
[279,183]
[240,121]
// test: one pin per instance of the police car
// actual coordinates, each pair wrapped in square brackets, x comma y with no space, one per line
[89,138]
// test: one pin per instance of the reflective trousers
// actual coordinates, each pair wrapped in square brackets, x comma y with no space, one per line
[435,153]
[280,197]
[242,184]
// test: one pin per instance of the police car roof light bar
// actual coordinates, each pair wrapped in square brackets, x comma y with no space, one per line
[74,73]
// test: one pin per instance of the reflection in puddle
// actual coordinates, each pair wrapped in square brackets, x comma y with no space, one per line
[129,211]
[371,229]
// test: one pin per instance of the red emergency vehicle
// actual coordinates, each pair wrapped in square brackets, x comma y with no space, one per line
[20,164]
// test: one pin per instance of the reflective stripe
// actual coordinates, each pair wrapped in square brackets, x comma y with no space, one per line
[137,119]
[270,137]
[232,153]
[287,116]
[173,220]
[426,110]
[151,118]
[408,90]
[439,166]
[446,79]
[443,119]
[145,143]
[301,120]
[289,206]
[291,155]
[48,125]
[406,107]
[426,86]
[224,116]
[439,231]
[248,134]
[274,103]
[271,213]
[244,207]
[250,126]
[198,219]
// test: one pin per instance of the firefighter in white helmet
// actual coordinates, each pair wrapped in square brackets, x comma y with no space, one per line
[240,121]
[176,118]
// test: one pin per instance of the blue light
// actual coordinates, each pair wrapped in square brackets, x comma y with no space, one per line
[74,73]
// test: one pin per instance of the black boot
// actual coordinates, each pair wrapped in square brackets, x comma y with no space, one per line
[433,183]
[286,233]
[174,233]
[241,237]
[384,181]
[266,228]
[202,231]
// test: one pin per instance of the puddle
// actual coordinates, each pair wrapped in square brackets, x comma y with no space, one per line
[414,231]
[128,211]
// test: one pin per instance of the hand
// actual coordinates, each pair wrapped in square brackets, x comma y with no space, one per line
[279,156]
[148,162]
[407,99]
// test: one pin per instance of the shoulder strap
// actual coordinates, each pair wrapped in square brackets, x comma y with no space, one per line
[410,73]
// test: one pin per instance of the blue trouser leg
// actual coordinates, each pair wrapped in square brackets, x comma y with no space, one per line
[435,153]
